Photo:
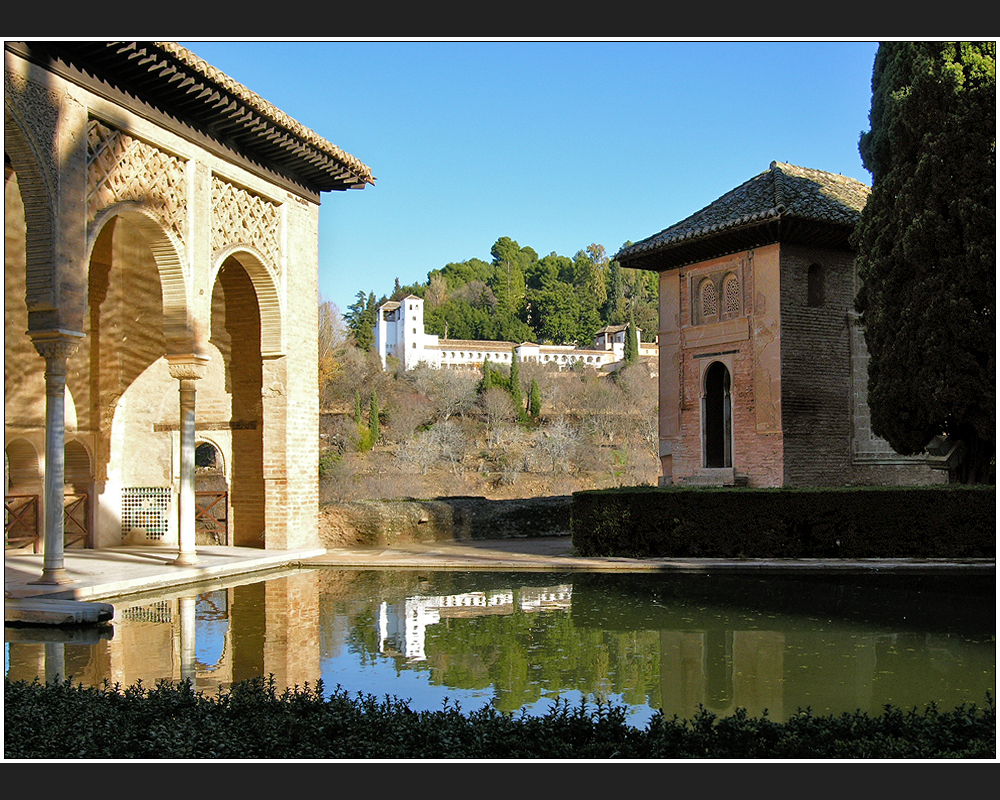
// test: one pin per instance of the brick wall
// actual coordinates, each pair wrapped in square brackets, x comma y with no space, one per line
[815,365]
[745,341]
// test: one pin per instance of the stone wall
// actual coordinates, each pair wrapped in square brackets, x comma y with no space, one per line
[389,522]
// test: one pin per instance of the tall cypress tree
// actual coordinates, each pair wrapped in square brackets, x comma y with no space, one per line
[535,400]
[927,249]
[515,386]
[631,354]
[373,421]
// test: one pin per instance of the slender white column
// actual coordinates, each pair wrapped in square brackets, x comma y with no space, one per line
[55,347]
[186,369]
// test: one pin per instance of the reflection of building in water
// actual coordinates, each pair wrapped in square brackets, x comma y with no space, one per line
[553,598]
[401,626]
[216,639]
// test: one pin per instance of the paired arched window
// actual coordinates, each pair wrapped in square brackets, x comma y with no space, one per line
[717,297]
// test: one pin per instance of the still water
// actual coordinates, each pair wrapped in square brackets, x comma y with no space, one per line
[831,642]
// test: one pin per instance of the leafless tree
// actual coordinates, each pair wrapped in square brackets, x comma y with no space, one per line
[450,391]
[497,409]
[557,441]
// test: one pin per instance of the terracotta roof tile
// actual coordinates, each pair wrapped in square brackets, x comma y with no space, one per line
[783,190]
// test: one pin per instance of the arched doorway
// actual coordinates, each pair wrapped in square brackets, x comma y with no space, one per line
[236,333]
[77,496]
[717,430]
[211,495]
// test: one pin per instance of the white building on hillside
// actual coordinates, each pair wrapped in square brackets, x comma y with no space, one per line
[399,332]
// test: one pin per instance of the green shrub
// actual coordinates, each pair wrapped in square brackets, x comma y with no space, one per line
[833,522]
[253,720]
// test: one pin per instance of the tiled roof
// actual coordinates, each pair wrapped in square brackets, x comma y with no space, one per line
[470,344]
[784,191]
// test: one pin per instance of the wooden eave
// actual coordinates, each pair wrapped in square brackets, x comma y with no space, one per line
[157,84]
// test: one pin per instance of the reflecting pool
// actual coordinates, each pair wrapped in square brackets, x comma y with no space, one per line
[833,642]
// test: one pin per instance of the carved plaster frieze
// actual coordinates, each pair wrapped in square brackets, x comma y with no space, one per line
[241,217]
[123,168]
[36,109]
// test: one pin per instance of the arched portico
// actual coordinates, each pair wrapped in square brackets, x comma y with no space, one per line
[246,341]
[130,210]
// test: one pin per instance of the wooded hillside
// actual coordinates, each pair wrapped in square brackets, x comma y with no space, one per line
[517,297]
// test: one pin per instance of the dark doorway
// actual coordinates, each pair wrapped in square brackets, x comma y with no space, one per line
[717,417]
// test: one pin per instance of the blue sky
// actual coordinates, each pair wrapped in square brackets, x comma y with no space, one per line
[555,144]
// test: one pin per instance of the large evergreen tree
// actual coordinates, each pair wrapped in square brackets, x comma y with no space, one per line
[361,317]
[927,249]
[631,353]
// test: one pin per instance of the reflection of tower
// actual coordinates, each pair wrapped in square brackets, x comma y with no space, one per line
[718,657]
[401,626]
[722,670]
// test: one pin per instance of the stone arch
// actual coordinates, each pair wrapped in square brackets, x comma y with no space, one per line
[717,416]
[209,455]
[167,254]
[236,332]
[22,468]
[37,193]
[265,284]
[78,470]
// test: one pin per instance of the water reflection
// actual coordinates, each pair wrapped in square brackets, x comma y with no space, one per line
[519,640]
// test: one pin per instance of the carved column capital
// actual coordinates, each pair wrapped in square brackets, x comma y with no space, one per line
[56,343]
[188,366]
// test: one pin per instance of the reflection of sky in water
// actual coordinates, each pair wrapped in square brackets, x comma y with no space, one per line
[382,677]
[211,626]
[661,639]
[210,641]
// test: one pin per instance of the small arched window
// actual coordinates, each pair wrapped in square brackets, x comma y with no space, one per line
[709,302]
[731,295]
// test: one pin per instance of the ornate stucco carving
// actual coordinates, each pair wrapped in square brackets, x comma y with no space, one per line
[121,167]
[241,217]
[36,109]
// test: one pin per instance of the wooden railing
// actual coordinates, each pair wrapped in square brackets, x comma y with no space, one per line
[20,522]
[211,514]
[76,520]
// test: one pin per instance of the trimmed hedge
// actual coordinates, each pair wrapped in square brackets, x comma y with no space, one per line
[253,721]
[830,522]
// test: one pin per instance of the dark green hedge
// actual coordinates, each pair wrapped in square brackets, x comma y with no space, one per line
[854,522]
[253,721]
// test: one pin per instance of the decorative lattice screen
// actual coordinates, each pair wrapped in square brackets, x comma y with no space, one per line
[160,611]
[146,507]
